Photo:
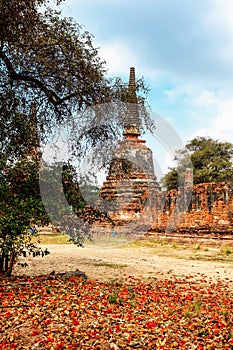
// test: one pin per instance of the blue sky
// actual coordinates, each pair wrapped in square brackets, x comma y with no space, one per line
[184,50]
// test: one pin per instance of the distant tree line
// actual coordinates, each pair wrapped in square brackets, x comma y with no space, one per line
[211,160]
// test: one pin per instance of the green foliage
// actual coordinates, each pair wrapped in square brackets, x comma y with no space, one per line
[48,64]
[21,209]
[170,180]
[49,61]
[197,247]
[211,161]
[112,299]
[228,251]
[49,71]
[67,201]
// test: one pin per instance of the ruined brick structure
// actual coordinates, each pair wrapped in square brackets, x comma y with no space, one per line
[131,184]
[208,209]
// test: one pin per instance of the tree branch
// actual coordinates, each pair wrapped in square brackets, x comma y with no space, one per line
[51,95]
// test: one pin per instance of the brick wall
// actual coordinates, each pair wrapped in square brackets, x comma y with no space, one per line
[206,207]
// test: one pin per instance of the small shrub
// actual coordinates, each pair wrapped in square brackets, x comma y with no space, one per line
[163,242]
[228,251]
[112,299]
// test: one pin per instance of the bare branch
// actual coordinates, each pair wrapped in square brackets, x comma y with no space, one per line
[51,95]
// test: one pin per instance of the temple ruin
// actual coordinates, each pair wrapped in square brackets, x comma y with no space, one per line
[209,210]
[132,184]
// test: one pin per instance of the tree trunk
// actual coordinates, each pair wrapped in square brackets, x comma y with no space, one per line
[6,263]
[10,264]
[1,261]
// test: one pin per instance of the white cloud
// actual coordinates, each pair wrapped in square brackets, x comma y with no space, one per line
[184,49]
[206,98]
[118,57]
[221,126]
[220,14]
[208,112]
[219,22]
[191,40]
[180,90]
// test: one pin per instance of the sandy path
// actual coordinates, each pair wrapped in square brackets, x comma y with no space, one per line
[106,263]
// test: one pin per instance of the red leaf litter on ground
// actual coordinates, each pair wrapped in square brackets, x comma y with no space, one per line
[60,312]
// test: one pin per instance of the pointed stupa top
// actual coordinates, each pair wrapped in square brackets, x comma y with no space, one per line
[132,82]
[132,121]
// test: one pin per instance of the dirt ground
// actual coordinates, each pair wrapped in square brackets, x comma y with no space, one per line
[118,261]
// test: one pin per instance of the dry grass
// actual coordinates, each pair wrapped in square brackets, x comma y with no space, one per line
[189,250]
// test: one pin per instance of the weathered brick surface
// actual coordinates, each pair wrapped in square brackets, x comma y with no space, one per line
[208,208]
[131,183]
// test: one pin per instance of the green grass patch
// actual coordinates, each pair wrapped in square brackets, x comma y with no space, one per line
[140,243]
[197,247]
[52,239]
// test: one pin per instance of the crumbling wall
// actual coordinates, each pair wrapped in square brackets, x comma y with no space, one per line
[206,207]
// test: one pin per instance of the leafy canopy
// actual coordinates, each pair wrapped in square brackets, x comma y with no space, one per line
[49,67]
[49,71]
[211,161]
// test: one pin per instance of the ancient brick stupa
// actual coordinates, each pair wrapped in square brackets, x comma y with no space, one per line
[131,182]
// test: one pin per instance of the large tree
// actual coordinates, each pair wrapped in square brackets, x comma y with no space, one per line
[21,209]
[48,65]
[212,161]
[49,71]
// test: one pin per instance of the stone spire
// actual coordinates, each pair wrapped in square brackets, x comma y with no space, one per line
[132,120]
[131,183]
[132,86]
